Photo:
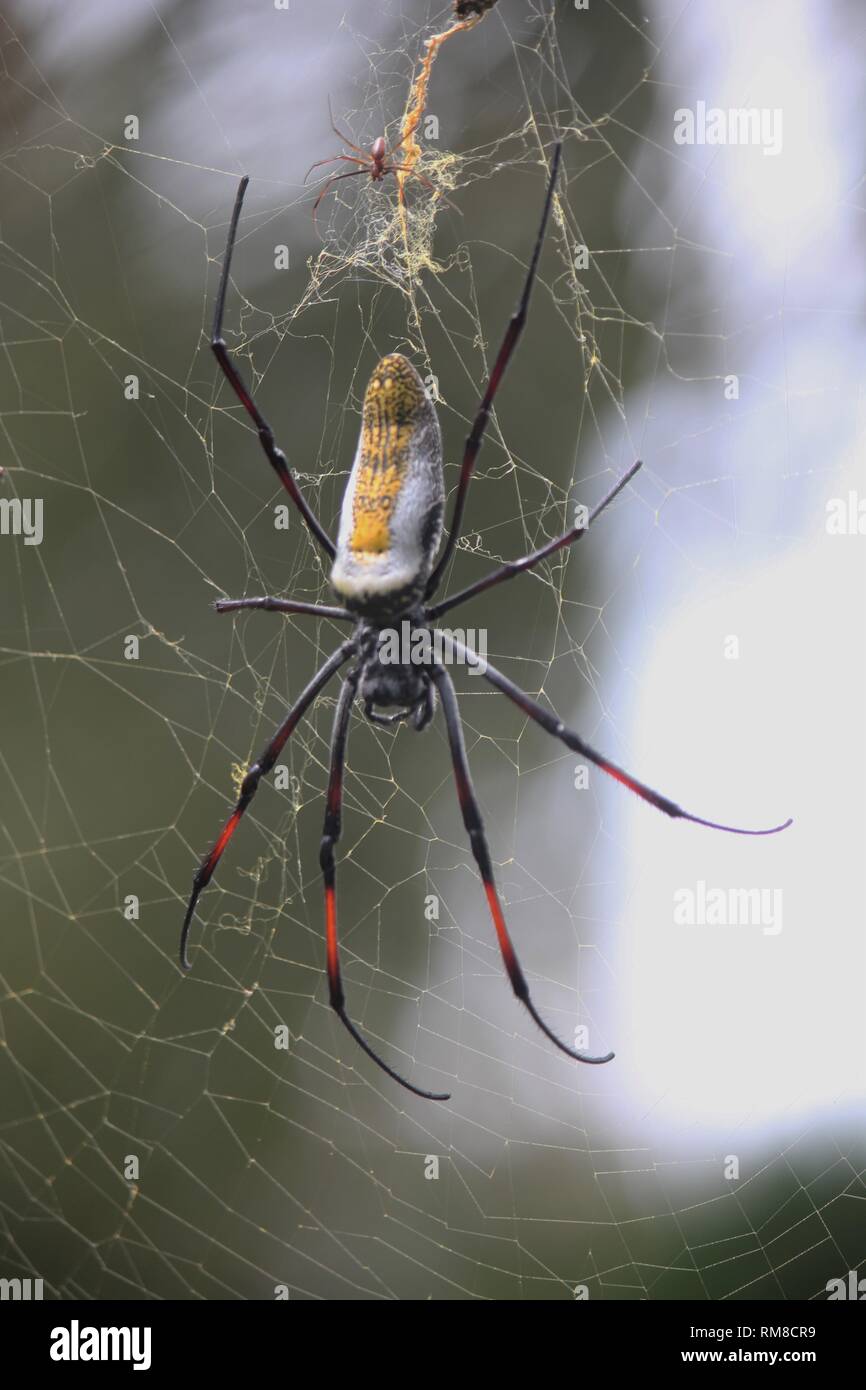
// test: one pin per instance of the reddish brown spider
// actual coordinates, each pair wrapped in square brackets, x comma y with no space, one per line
[375,164]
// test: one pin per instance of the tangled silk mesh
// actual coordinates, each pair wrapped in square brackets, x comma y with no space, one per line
[154,1141]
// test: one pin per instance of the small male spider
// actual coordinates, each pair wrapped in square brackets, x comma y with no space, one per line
[373,164]
[383,570]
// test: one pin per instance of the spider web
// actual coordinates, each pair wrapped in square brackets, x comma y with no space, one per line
[155,1142]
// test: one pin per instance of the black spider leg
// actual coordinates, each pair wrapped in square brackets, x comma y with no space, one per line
[275,456]
[475,828]
[528,562]
[330,835]
[283,605]
[509,343]
[554,725]
[425,709]
[249,786]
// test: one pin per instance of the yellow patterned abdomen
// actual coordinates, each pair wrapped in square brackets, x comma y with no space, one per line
[394,404]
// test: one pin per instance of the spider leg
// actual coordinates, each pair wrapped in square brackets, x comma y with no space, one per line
[478,840]
[282,605]
[401,141]
[503,357]
[330,835]
[333,160]
[275,456]
[554,725]
[339,134]
[335,178]
[528,562]
[425,711]
[428,183]
[249,786]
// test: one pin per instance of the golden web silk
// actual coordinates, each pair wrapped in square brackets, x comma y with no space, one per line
[391,520]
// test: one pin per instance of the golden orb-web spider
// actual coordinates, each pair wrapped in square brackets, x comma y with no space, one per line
[383,569]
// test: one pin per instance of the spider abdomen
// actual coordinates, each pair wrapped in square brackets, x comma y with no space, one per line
[391,518]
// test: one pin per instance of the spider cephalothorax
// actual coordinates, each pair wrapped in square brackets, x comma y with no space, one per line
[404,688]
[383,570]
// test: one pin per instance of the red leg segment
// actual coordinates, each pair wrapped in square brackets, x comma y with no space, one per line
[330,836]
[554,725]
[250,784]
[478,840]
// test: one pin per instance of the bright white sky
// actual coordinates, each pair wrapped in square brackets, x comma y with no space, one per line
[726,1024]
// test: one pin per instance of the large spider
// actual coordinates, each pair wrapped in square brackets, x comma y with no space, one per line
[383,570]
